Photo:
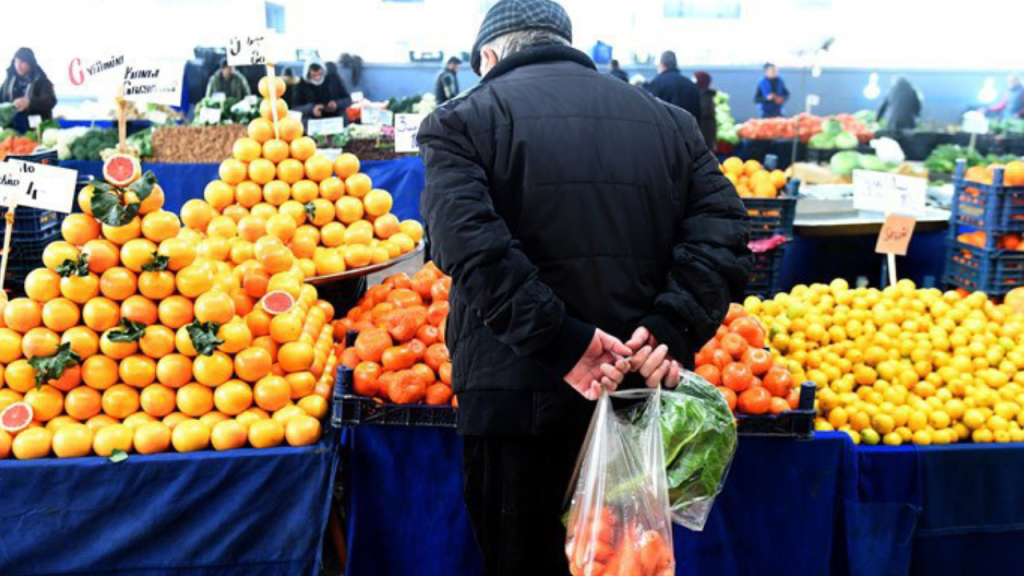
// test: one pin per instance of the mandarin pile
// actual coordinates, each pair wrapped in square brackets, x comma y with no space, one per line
[399,355]
[753,180]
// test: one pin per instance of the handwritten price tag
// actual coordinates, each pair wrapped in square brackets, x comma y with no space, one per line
[209,115]
[247,50]
[894,238]
[154,82]
[883,192]
[407,128]
[326,126]
[37,186]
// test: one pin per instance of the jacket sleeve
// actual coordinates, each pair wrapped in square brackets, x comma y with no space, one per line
[759,95]
[783,91]
[490,272]
[43,97]
[710,259]
[340,95]
[244,84]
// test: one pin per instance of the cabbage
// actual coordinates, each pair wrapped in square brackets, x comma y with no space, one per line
[822,141]
[872,162]
[846,141]
[831,126]
[844,163]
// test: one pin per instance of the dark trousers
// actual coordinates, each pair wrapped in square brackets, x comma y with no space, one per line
[515,490]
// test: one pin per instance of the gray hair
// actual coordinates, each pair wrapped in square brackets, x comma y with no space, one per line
[508,44]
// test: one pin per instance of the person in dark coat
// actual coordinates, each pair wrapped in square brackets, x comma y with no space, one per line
[446,86]
[901,107]
[580,220]
[672,87]
[228,81]
[615,70]
[28,88]
[771,93]
[707,120]
[319,94]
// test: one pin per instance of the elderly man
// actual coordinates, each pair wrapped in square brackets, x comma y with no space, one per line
[671,86]
[582,222]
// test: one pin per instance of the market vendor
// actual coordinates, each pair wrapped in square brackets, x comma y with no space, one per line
[319,94]
[771,92]
[28,88]
[446,86]
[227,81]
[568,252]
[1012,104]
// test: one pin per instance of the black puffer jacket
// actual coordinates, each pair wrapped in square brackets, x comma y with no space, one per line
[560,199]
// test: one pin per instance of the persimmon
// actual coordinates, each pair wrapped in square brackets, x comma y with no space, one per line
[407,388]
[371,344]
[364,378]
[439,395]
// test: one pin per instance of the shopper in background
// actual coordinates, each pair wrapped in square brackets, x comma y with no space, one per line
[901,107]
[771,92]
[227,81]
[615,70]
[446,86]
[672,87]
[561,246]
[1012,104]
[707,120]
[28,89]
[319,94]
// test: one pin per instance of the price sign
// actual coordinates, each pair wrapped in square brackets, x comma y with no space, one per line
[326,126]
[889,193]
[975,123]
[377,117]
[96,74]
[894,238]
[330,153]
[34,121]
[37,186]
[218,97]
[154,82]
[407,127]
[251,49]
[209,115]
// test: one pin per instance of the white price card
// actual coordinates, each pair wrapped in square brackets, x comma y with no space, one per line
[407,127]
[218,97]
[209,115]
[975,123]
[326,126]
[377,117]
[889,193]
[37,186]
[154,81]
[34,121]
[330,153]
[250,49]
[297,114]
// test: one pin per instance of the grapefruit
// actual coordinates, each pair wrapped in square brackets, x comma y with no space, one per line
[277,302]
[16,417]
[121,170]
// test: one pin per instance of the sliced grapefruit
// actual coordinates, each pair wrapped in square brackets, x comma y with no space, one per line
[277,302]
[121,170]
[16,417]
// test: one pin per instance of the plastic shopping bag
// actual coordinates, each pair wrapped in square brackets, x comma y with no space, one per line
[619,521]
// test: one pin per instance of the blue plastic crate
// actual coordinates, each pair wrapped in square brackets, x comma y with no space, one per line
[766,274]
[992,271]
[798,424]
[991,208]
[770,216]
[26,255]
[353,410]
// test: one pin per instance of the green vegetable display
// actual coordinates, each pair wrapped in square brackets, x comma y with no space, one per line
[943,158]
[89,145]
[723,117]
[7,113]
[844,163]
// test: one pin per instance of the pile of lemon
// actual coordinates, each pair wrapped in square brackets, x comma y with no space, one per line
[903,365]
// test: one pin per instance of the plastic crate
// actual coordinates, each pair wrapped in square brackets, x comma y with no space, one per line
[770,216]
[991,208]
[344,294]
[798,424]
[353,410]
[766,274]
[31,223]
[989,270]
[26,256]
[41,157]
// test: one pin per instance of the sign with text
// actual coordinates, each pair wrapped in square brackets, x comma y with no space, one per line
[153,82]
[326,126]
[209,115]
[250,49]
[895,235]
[96,75]
[34,121]
[890,193]
[37,186]
[975,123]
[376,117]
[407,127]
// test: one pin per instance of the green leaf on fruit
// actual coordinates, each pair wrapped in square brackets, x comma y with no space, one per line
[204,337]
[310,210]
[52,367]
[143,187]
[109,208]
[157,264]
[118,455]
[71,267]
[130,331]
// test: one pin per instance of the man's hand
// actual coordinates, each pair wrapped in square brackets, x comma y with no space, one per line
[318,110]
[652,360]
[332,106]
[20,104]
[602,367]
[771,96]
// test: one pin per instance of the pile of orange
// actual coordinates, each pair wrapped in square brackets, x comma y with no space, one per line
[399,355]
[327,213]
[1013,174]
[752,180]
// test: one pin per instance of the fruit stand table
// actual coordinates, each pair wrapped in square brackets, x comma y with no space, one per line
[243,512]
[818,507]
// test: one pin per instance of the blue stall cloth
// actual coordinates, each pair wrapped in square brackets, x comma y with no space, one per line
[402,177]
[237,513]
[822,507]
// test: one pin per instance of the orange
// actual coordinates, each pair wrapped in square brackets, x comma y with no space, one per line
[357,256]
[330,261]
[60,314]
[196,214]
[377,202]
[190,436]
[403,241]
[78,229]
[180,253]
[289,129]
[258,322]
[214,307]
[261,130]
[156,285]
[302,148]
[305,191]
[47,402]
[219,194]
[245,149]
[222,226]
[116,350]
[10,345]
[264,434]
[301,384]
[101,254]
[290,171]
[241,251]
[153,202]
[212,370]
[228,435]
[235,212]
[82,403]
[272,393]
[72,441]
[56,253]
[120,401]
[248,193]
[236,336]
[264,87]
[261,171]
[358,185]
[22,314]
[157,342]
[39,342]
[268,113]
[287,413]
[286,327]
[5,444]
[233,397]
[349,209]
[158,400]
[152,438]
[195,399]
[84,341]
[360,232]
[137,370]
[346,165]
[194,280]
[113,437]
[275,193]
[253,363]
[318,167]
[174,370]
[121,234]
[98,372]
[32,443]
[174,418]
[302,246]
[69,379]
[118,283]
[175,311]
[211,419]
[232,171]
[100,314]
[385,226]
[314,405]
[333,234]
[251,228]
[275,150]
[281,226]
[139,309]
[412,229]
[331,189]
[295,356]
[277,259]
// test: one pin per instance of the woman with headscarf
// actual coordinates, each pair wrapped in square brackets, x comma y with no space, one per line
[28,88]
[707,122]
[319,94]
[901,107]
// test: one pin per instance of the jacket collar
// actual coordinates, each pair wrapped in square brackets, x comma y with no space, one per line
[539,54]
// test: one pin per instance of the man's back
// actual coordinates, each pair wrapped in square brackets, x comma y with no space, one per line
[674,88]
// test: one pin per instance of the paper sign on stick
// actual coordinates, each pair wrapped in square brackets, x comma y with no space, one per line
[37,186]
[895,235]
